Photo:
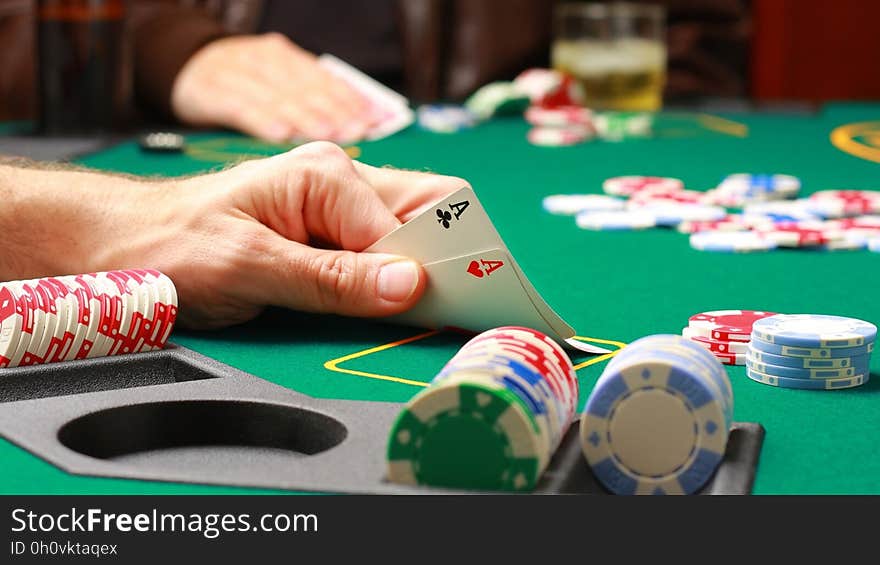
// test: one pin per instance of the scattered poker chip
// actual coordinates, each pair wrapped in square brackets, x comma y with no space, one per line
[874,244]
[537,83]
[495,99]
[849,241]
[673,213]
[630,185]
[842,203]
[615,220]
[661,196]
[731,222]
[656,395]
[491,418]
[445,118]
[162,142]
[814,330]
[780,210]
[715,346]
[571,204]
[726,325]
[559,117]
[801,373]
[868,226]
[82,316]
[558,137]
[760,185]
[799,234]
[808,384]
[810,352]
[731,242]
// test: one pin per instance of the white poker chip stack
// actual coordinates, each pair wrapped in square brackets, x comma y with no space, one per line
[74,317]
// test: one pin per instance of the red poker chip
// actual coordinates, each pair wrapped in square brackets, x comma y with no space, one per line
[567,93]
[794,234]
[731,358]
[630,185]
[715,346]
[726,325]
[666,195]
[732,222]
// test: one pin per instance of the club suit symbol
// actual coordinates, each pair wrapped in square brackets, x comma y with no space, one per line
[443,218]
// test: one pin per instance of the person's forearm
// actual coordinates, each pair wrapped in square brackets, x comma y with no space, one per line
[59,221]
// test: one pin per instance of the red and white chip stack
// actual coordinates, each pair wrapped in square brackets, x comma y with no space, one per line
[74,317]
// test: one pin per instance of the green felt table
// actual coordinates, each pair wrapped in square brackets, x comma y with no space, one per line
[609,285]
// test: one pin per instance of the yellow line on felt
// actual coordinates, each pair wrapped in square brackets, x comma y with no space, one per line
[592,361]
[332,365]
[723,125]
[842,138]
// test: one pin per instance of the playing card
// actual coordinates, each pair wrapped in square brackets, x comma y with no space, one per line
[457,226]
[391,108]
[477,292]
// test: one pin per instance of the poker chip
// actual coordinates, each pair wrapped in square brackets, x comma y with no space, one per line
[162,142]
[495,99]
[662,196]
[726,325]
[841,203]
[558,137]
[808,384]
[567,92]
[445,118]
[874,244]
[814,331]
[779,211]
[672,213]
[850,241]
[731,242]
[630,185]
[615,220]
[757,186]
[860,368]
[559,117]
[731,358]
[799,234]
[491,418]
[657,419]
[537,83]
[617,126]
[715,346]
[731,222]
[83,316]
[571,204]
[806,362]
[810,352]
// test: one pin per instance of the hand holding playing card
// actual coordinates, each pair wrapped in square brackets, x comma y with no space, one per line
[473,281]
[268,87]
[233,241]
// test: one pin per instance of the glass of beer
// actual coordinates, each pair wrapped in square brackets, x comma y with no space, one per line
[616,52]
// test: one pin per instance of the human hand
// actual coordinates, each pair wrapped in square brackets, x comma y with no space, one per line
[266,86]
[283,231]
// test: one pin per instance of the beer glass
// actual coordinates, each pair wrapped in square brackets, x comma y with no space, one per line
[616,52]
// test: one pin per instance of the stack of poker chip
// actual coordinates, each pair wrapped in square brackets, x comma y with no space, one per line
[556,111]
[811,351]
[724,333]
[491,419]
[658,418]
[82,316]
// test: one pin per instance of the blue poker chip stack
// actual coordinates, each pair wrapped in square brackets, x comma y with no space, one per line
[658,419]
[811,351]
